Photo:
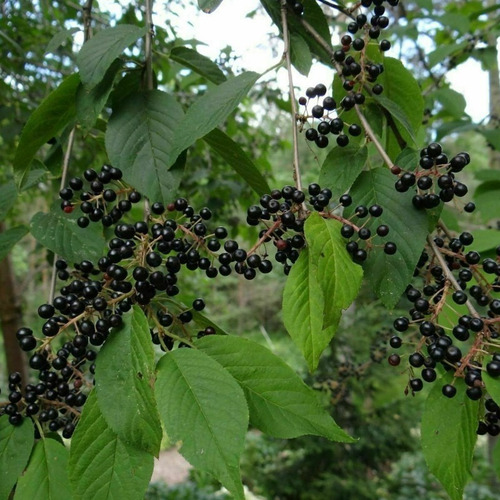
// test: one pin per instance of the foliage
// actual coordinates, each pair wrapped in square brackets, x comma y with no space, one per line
[127,350]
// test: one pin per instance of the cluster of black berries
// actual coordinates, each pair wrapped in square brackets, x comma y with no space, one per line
[103,196]
[470,346]
[327,124]
[434,178]
[362,234]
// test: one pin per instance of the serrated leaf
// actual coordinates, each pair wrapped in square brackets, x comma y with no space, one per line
[397,113]
[199,63]
[59,38]
[9,238]
[101,465]
[60,233]
[300,54]
[208,6]
[210,110]
[303,306]
[234,155]
[98,53]
[339,277]
[90,102]
[449,435]
[140,140]
[124,384]
[46,477]
[280,404]
[322,283]
[341,168]
[54,113]
[408,227]
[16,443]
[8,196]
[203,406]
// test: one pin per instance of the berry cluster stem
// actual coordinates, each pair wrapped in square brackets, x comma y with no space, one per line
[295,133]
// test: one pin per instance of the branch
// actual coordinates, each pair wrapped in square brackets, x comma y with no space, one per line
[286,51]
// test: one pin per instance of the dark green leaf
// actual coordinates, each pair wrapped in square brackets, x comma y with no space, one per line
[486,198]
[203,406]
[208,6]
[60,233]
[101,465]
[124,384]
[16,443]
[90,102]
[59,38]
[323,282]
[199,63]
[443,51]
[140,140]
[300,54]
[492,383]
[314,16]
[390,274]
[210,110]
[492,136]
[8,196]
[449,435]
[397,113]
[280,404]
[9,238]
[341,168]
[46,477]
[98,53]
[55,112]
[35,176]
[234,155]
[202,321]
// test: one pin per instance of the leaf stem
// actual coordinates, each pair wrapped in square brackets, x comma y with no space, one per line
[293,103]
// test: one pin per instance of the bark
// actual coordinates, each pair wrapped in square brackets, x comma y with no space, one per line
[10,317]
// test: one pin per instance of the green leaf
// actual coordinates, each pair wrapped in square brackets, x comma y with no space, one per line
[98,53]
[9,238]
[203,406]
[210,110]
[440,54]
[300,54]
[202,321]
[303,306]
[140,140]
[46,476]
[208,6]
[234,155]
[341,168]
[59,38]
[449,435]
[492,383]
[90,102]
[101,465]
[54,113]
[16,442]
[406,101]
[60,233]
[485,239]
[486,198]
[455,21]
[280,404]
[124,384]
[453,102]
[8,196]
[323,282]
[408,227]
[314,16]
[199,63]
[492,136]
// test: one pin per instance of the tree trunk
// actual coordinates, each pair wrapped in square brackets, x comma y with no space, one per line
[10,317]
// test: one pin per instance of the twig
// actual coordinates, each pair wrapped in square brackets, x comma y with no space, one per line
[286,50]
